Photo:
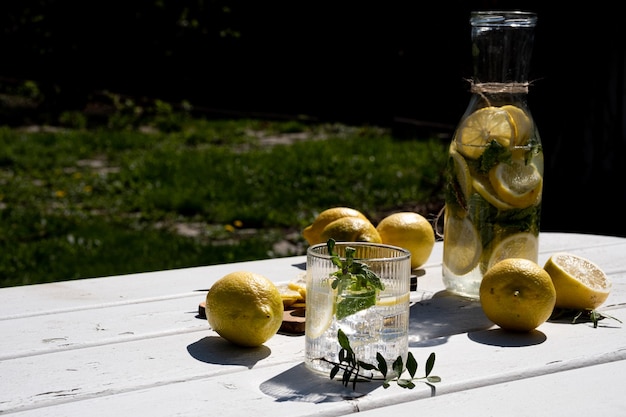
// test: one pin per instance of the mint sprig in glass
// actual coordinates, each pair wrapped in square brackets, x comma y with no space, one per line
[354,278]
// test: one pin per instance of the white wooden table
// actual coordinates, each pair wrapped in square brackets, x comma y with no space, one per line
[133,345]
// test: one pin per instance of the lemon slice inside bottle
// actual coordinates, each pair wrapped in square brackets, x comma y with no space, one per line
[519,245]
[462,172]
[521,122]
[516,183]
[487,192]
[463,248]
[482,127]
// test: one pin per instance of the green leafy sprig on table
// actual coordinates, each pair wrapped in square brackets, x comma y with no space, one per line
[351,367]
[581,316]
[355,277]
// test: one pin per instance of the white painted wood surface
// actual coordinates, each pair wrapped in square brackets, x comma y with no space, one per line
[133,345]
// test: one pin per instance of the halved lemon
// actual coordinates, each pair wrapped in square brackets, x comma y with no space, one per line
[292,293]
[519,245]
[579,283]
[522,123]
[462,248]
[517,183]
[482,127]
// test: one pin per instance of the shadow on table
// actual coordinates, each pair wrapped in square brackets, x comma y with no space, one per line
[435,317]
[301,265]
[503,338]
[215,349]
[301,384]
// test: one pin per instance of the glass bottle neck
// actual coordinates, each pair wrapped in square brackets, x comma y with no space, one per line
[502,43]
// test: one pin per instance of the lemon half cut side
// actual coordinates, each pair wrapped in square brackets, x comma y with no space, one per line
[580,283]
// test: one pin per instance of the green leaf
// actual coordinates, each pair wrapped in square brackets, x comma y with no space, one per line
[430,363]
[330,244]
[406,383]
[350,305]
[373,279]
[382,364]
[344,342]
[366,366]
[398,366]
[411,365]
[494,154]
[345,379]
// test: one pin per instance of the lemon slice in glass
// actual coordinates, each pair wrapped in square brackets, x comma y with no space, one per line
[519,245]
[393,300]
[463,248]
[522,123]
[483,126]
[579,283]
[517,183]
[320,310]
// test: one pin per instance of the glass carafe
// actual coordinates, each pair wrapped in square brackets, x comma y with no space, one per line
[495,168]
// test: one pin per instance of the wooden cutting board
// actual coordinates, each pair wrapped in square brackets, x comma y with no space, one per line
[293,320]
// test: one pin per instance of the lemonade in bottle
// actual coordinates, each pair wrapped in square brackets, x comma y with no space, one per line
[494,177]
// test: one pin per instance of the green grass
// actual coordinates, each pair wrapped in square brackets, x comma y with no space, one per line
[85,203]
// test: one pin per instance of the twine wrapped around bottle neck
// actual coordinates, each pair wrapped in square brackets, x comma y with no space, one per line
[499,88]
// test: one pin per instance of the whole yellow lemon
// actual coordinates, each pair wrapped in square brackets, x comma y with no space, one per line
[313,232]
[244,308]
[517,294]
[351,229]
[411,231]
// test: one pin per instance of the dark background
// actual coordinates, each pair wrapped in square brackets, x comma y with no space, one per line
[394,63]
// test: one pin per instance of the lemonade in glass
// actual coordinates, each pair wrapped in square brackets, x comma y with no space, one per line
[374,319]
